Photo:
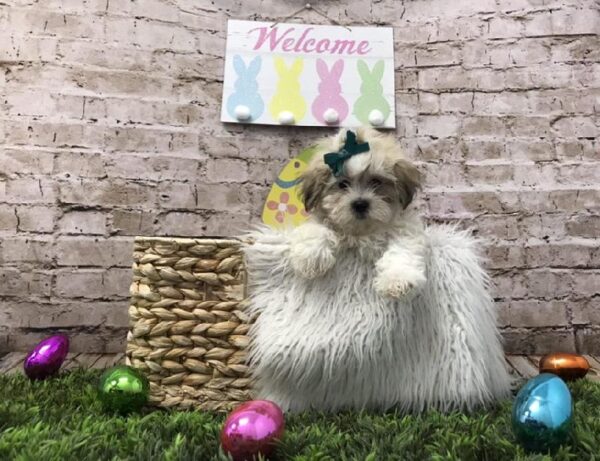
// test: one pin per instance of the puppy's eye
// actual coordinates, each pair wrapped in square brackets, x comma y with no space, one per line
[374,183]
[343,184]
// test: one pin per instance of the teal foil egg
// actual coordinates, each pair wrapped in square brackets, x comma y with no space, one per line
[543,413]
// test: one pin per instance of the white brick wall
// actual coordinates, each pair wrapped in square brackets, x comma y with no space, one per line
[109,128]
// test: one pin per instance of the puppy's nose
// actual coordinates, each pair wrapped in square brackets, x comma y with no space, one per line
[360,206]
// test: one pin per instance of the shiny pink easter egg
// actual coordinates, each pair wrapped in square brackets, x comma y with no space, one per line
[251,429]
[47,357]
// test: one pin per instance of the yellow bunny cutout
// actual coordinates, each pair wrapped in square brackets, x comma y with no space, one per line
[287,97]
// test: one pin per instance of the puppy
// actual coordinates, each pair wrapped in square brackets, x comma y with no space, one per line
[362,202]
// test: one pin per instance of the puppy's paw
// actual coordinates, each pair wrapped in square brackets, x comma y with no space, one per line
[312,266]
[395,287]
[312,250]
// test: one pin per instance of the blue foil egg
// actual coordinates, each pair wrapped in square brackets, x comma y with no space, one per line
[543,413]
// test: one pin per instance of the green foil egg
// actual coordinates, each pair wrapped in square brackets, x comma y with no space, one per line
[123,389]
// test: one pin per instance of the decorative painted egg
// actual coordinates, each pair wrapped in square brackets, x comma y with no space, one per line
[251,429]
[542,413]
[123,389]
[284,207]
[568,366]
[46,357]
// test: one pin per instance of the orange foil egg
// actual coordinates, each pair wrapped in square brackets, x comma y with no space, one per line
[567,366]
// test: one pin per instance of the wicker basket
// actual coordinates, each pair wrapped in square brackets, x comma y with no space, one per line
[187,327]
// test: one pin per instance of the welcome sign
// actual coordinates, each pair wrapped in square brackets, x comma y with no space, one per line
[308,75]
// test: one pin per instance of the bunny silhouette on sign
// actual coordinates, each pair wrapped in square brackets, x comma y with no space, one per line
[245,103]
[371,93]
[329,97]
[287,97]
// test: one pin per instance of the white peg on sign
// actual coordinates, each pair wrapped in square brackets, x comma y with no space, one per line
[331,116]
[286,117]
[242,112]
[376,117]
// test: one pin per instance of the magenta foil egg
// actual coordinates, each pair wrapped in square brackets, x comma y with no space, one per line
[251,429]
[46,357]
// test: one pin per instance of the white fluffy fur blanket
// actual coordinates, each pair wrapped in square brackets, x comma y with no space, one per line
[334,343]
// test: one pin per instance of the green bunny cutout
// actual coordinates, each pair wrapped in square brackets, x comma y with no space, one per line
[371,92]
[287,95]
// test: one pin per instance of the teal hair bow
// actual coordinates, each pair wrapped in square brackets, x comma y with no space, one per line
[335,160]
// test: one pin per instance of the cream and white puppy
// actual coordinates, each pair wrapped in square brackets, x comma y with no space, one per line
[365,307]
[364,207]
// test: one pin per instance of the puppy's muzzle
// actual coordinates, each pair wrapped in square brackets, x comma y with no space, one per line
[360,208]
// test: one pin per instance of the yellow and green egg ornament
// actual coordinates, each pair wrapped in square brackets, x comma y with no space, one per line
[283,207]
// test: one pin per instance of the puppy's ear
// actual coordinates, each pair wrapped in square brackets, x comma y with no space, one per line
[408,180]
[313,183]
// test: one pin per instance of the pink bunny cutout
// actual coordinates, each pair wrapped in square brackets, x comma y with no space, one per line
[329,100]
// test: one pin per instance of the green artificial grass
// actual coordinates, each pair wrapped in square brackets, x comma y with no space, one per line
[61,419]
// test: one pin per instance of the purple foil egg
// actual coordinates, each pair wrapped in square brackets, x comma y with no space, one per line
[46,358]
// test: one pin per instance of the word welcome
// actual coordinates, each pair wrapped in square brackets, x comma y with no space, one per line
[305,44]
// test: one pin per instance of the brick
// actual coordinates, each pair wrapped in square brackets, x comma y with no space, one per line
[457,102]
[40,315]
[154,167]
[576,150]
[463,29]
[107,193]
[438,55]
[8,218]
[438,126]
[584,226]
[475,149]
[548,284]
[132,222]
[54,134]
[201,196]
[538,341]
[227,170]
[38,219]
[428,103]
[82,222]
[575,126]
[104,55]
[138,139]
[86,251]
[504,256]
[587,312]
[506,103]
[528,52]
[536,313]
[24,161]
[92,283]
[579,50]
[28,190]
[156,9]
[504,27]
[79,165]
[26,283]
[483,126]
[19,249]
[189,224]
[537,151]
[524,126]
[585,174]
[585,283]
[533,175]
[588,340]
[264,172]
[489,173]
[267,147]
[446,149]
